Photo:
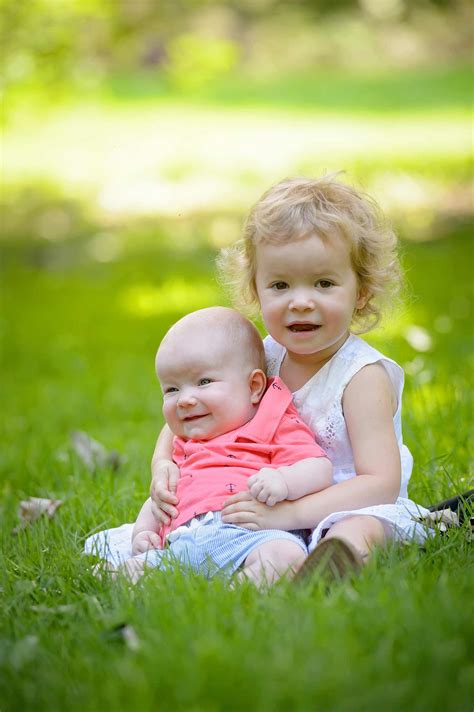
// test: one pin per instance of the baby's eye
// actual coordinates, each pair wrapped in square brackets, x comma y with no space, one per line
[279,285]
[324,283]
[170,389]
[204,381]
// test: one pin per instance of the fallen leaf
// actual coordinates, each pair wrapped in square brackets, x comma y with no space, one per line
[130,637]
[92,453]
[31,509]
[440,519]
[126,633]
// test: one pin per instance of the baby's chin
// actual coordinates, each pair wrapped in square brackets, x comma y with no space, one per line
[203,437]
[200,433]
[204,434]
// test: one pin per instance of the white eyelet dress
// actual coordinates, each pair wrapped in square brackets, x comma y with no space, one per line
[319,403]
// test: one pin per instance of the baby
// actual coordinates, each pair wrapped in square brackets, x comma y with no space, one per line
[232,433]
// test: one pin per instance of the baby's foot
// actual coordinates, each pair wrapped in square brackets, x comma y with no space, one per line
[105,570]
[133,569]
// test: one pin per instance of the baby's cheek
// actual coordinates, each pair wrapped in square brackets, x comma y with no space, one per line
[169,413]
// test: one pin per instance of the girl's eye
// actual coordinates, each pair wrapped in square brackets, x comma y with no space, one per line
[204,381]
[324,283]
[171,389]
[279,285]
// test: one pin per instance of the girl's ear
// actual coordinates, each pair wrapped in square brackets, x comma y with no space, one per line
[363,297]
[257,383]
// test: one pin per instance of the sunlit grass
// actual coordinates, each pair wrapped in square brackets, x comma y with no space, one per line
[78,350]
[176,159]
[117,156]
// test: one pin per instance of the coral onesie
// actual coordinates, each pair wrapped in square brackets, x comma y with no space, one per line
[213,470]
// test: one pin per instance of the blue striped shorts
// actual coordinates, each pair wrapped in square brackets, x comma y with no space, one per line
[209,546]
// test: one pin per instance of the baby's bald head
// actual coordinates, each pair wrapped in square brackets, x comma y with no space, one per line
[223,333]
[211,368]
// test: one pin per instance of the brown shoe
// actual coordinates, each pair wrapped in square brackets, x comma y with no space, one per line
[333,559]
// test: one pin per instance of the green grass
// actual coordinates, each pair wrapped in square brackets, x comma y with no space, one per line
[422,89]
[78,341]
[133,146]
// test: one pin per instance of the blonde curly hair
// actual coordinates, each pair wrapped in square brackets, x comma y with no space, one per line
[298,207]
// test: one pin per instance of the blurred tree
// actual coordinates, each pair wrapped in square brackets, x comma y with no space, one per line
[194,61]
[48,44]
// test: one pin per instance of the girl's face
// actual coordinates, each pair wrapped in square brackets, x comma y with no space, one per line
[308,291]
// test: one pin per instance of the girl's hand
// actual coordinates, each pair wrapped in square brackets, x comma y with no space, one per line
[144,541]
[163,491]
[245,511]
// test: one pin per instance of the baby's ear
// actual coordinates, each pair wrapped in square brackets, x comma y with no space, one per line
[257,383]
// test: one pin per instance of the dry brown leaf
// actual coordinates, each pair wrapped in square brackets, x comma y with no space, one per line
[441,519]
[92,453]
[29,510]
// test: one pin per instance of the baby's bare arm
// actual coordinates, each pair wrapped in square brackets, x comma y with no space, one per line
[272,485]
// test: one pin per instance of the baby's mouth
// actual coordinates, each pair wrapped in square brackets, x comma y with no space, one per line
[303,327]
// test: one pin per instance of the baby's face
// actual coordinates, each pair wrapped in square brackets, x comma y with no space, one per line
[206,388]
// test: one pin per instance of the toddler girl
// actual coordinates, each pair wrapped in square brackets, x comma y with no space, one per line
[317,258]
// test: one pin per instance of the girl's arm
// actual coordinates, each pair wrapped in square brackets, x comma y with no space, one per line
[369,404]
[307,476]
[165,476]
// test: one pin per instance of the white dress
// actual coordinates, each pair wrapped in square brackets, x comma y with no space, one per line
[319,403]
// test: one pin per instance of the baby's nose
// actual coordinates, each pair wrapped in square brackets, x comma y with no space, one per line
[187,399]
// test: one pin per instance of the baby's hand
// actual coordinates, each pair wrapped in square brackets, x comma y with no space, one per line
[145,540]
[268,486]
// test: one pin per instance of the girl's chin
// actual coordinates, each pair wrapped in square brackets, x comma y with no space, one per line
[303,346]
[307,343]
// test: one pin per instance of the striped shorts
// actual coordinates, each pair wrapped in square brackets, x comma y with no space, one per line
[207,546]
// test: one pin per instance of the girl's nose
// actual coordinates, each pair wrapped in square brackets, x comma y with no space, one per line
[302,301]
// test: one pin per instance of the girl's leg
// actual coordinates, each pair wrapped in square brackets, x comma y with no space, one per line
[345,548]
[272,560]
[361,532]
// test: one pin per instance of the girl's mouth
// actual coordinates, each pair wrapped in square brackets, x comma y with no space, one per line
[303,327]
